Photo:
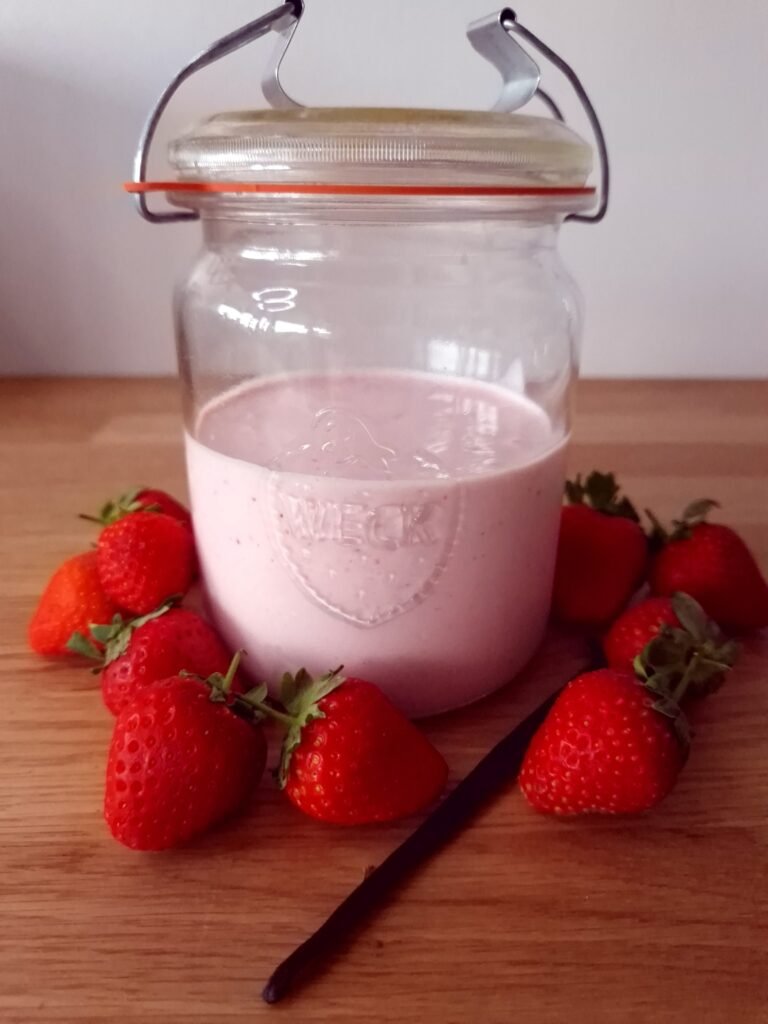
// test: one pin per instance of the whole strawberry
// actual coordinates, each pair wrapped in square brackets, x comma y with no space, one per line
[136,653]
[602,553]
[73,598]
[602,749]
[180,761]
[350,756]
[148,498]
[681,632]
[143,559]
[615,740]
[712,563]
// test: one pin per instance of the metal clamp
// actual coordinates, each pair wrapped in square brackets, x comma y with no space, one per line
[493,37]
[283,20]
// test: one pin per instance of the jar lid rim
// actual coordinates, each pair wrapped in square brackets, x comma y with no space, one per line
[383,146]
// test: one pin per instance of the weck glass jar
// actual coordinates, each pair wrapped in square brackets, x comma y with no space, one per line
[377,344]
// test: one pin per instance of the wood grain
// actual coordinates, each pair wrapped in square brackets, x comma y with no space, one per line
[521,919]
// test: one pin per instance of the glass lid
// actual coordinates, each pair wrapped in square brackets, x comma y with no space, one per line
[382,147]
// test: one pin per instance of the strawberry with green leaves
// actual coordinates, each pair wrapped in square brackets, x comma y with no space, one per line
[72,599]
[149,499]
[134,653]
[712,563]
[185,754]
[350,757]
[602,553]
[615,741]
[678,619]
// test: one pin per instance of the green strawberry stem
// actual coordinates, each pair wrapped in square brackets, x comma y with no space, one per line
[221,685]
[229,677]
[251,705]
[266,709]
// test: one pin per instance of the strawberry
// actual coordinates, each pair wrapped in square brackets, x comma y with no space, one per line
[350,756]
[601,554]
[143,559]
[147,498]
[134,654]
[635,628]
[601,749]
[614,741]
[158,501]
[72,599]
[712,563]
[180,760]
[682,631]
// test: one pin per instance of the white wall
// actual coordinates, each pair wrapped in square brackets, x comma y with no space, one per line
[675,280]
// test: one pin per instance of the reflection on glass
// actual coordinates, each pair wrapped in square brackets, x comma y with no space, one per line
[286,327]
[446,356]
[264,323]
[244,318]
[282,255]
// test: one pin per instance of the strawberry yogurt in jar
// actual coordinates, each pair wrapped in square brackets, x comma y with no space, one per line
[377,344]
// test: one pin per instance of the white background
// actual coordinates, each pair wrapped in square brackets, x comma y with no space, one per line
[675,281]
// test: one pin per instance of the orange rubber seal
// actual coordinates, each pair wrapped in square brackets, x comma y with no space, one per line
[306,188]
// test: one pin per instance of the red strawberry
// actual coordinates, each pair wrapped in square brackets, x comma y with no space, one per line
[180,760]
[72,599]
[635,628]
[145,558]
[601,554]
[159,501]
[712,563]
[614,741]
[138,652]
[602,749]
[148,498]
[680,631]
[350,756]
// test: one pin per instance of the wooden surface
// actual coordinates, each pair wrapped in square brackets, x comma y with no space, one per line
[522,918]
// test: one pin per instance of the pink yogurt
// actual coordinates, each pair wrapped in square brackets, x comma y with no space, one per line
[401,524]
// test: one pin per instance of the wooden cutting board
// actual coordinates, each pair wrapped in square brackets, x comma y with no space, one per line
[660,919]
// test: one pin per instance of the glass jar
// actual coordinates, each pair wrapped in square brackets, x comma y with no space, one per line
[377,344]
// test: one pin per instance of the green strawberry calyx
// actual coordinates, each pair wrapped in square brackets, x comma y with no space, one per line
[108,641]
[115,509]
[601,492]
[248,706]
[693,515]
[691,659]
[221,684]
[300,697]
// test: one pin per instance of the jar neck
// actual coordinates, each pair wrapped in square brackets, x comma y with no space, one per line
[491,232]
